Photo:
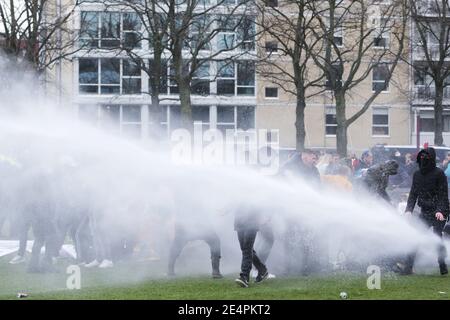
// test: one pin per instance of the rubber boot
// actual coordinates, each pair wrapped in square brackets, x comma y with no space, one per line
[215,261]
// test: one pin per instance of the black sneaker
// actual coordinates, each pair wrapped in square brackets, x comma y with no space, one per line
[262,276]
[443,269]
[242,282]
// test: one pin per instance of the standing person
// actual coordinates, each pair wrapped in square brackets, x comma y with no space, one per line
[184,234]
[334,165]
[297,236]
[365,163]
[410,165]
[247,223]
[430,190]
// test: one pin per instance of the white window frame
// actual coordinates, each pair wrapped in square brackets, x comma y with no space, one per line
[99,77]
[380,81]
[381,31]
[121,38]
[329,108]
[381,110]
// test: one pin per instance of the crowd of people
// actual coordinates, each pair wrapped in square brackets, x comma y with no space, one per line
[421,174]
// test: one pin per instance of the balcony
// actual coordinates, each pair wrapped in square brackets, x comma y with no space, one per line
[426,94]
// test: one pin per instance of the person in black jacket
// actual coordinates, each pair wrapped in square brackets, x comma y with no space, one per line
[430,190]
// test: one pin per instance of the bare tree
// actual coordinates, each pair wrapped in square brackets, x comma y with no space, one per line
[431,53]
[182,37]
[366,50]
[37,32]
[194,24]
[287,29]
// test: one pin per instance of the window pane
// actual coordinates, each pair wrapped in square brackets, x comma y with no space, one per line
[175,117]
[88,71]
[200,86]
[88,89]
[131,113]
[131,22]
[380,119]
[271,92]
[202,70]
[131,85]
[130,68]
[379,86]
[271,46]
[380,72]
[427,124]
[110,71]
[110,25]
[131,40]
[89,28]
[246,73]
[110,89]
[330,119]
[225,114]
[380,131]
[245,117]
[200,113]
[225,87]
[330,130]
[225,69]
[245,91]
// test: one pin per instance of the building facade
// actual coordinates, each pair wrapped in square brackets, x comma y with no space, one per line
[107,89]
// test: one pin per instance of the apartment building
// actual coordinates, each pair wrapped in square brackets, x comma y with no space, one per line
[108,89]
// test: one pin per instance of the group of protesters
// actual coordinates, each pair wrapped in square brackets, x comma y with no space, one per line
[53,220]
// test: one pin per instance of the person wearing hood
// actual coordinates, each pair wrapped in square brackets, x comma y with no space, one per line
[430,190]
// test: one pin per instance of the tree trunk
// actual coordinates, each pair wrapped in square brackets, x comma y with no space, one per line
[184,87]
[300,119]
[185,101]
[341,130]
[438,118]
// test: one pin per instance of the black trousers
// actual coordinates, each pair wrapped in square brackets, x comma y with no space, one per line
[183,236]
[246,239]
[429,220]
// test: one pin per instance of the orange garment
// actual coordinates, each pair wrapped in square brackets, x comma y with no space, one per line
[337,181]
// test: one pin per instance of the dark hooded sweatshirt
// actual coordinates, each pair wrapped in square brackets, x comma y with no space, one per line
[429,186]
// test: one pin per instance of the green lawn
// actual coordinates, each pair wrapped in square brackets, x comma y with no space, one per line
[132,281]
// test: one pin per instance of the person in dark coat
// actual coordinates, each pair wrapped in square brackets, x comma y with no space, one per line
[430,190]
[247,223]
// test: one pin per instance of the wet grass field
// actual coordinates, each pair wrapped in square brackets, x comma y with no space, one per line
[146,280]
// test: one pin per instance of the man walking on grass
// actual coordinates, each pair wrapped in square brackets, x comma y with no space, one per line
[247,224]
